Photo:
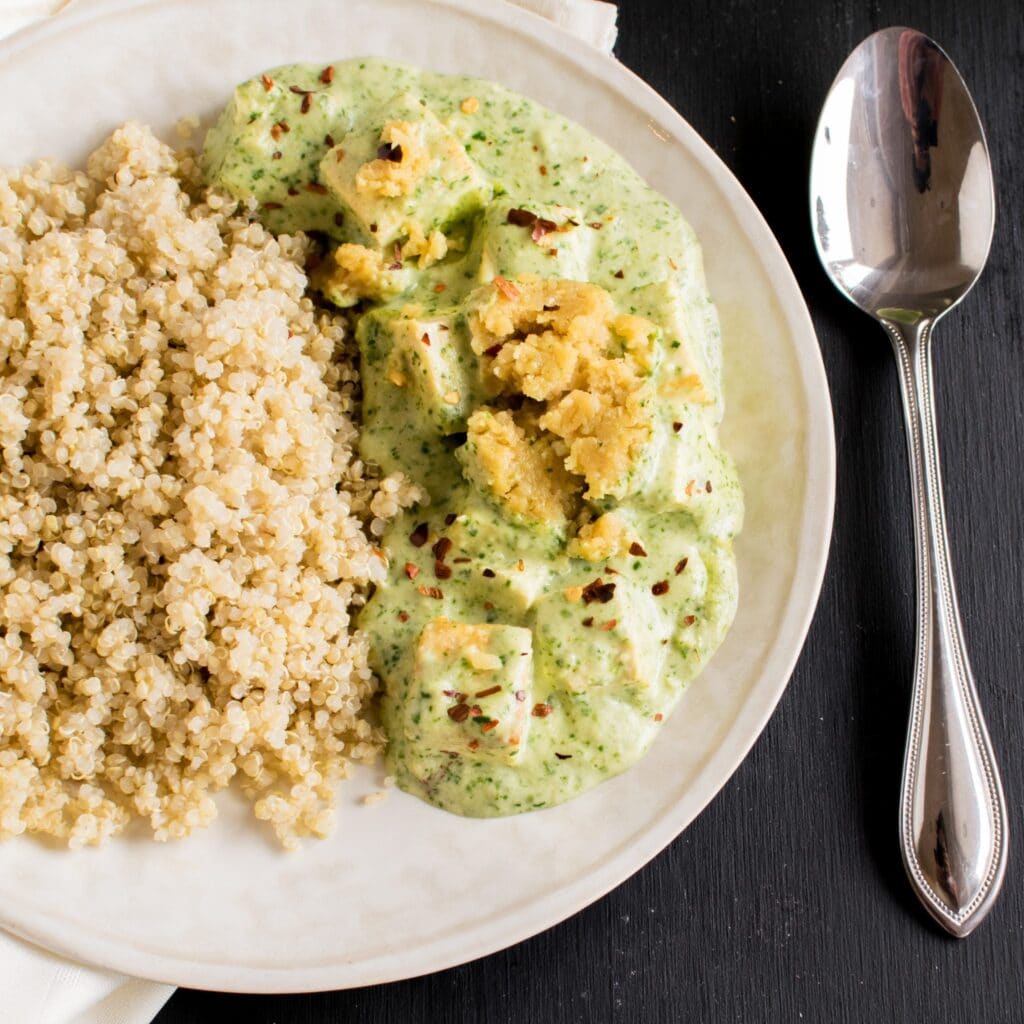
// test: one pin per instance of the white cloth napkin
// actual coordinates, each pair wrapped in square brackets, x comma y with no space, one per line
[37,987]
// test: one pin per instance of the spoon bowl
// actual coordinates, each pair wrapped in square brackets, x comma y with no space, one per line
[902,209]
[901,181]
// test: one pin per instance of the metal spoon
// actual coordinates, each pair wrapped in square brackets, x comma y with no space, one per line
[902,205]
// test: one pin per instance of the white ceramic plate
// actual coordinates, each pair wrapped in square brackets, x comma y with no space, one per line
[404,889]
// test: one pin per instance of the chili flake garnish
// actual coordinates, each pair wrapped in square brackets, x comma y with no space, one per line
[620,274]
[276,155]
[689,620]
[488,726]
[275,131]
[636,548]
[520,695]
[434,592]
[596,225]
[563,757]
[315,186]
[659,717]
[521,218]
[707,486]
[610,624]
[387,151]
[474,744]
[488,606]
[543,170]
[442,571]
[672,263]
[271,206]
[411,570]
[403,616]
[477,713]
[440,287]
[520,565]
[681,565]
[487,693]
[455,694]
[307,102]
[459,713]
[462,561]
[298,90]
[268,82]
[588,621]
[598,590]
[689,487]
[327,75]
[329,140]
[418,537]
[489,573]
[506,287]
[450,518]
[441,548]
[541,710]
[339,155]
[659,588]
[677,426]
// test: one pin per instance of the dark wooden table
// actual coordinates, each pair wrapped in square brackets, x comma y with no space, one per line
[785,900]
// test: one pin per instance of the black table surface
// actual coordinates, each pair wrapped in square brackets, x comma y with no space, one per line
[786,900]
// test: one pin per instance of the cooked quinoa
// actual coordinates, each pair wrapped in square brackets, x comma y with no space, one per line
[185,528]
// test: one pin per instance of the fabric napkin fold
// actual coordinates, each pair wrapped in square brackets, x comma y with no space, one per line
[37,987]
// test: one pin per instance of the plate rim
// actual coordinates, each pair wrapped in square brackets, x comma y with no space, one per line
[809,570]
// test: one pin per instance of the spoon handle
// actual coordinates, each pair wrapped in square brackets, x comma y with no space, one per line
[952,810]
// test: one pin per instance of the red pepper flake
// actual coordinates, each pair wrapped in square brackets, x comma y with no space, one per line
[659,717]
[541,228]
[488,607]
[275,131]
[462,561]
[620,274]
[681,565]
[298,90]
[563,757]
[327,75]
[418,537]
[493,350]
[450,518]
[598,590]
[268,82]
[543,170]
[520,565]
[541,710]
[552,252]
[474,744]
[689,620]
[455,695]
[487,693]
[292,190]
[329,140]
[659,588]
[307,102]
[440,287]
[386,151]
[434,592]
[520,695]
[609,625]
[677,426]
[588,621]
[707,486]
[488,726]
[521,218]
[315,186]
[506,287]
[412,570]
[459,713]
[339,155]
[441,548]
[442,571]
[636,548]
[271,206]
[403,616]
[614,572]
[475,711]
[596,225]
[276,155]
[489,573]
[536,149]
[339,219]
[672,263]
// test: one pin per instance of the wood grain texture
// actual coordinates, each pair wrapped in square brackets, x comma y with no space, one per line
[786,900]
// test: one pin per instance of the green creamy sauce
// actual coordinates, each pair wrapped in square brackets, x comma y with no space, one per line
[569,692]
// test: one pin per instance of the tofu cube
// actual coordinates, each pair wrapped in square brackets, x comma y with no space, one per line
[512,247]
[471,690]
[401,166]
